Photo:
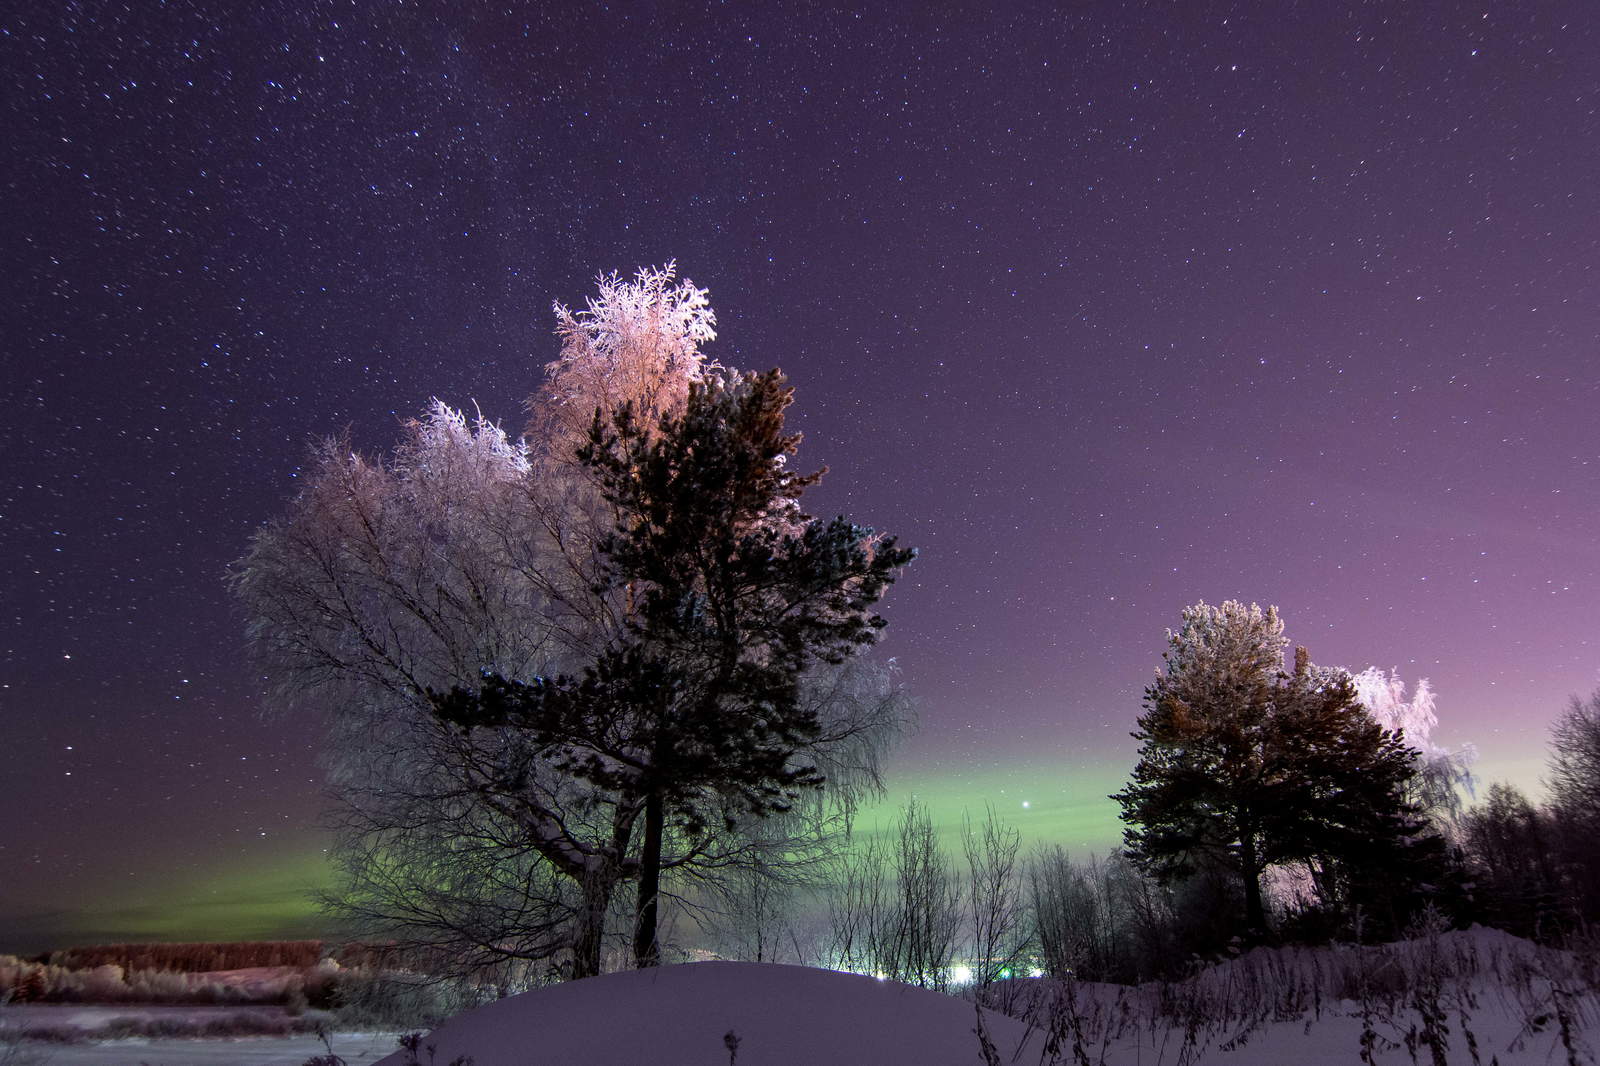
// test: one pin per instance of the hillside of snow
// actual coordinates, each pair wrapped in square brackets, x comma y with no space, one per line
[680,1015]
[1490,997]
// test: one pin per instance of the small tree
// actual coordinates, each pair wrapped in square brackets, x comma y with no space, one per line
[898,909]
[1245,766]
[1100,920]
[694,710]
[1574,784]
[1575,760]
[995,901]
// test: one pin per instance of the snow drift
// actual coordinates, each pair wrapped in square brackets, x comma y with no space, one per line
[1477,996]
[679,1016]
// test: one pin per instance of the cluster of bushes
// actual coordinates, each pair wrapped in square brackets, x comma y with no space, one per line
[1534,869]
[905,908]
[1425,997]
[909,911]
[24,981]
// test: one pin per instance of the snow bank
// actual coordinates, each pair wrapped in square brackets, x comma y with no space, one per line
[1492,998]
[678,1015]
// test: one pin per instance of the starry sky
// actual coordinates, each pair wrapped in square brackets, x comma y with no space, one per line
[1106,310]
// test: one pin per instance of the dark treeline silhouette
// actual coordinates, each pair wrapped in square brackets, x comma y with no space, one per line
[194,957]
[1531,869]
[1268,807]
[1535,868]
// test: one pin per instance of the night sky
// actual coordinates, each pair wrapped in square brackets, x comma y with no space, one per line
[1106,312]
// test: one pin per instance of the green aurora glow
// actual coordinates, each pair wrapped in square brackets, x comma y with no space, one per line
[271,896]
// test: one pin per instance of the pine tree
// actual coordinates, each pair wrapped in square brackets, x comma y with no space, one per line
[1245,766]
[694,710]
[1351,800]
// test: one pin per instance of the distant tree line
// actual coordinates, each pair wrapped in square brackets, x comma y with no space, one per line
[1271,803]
[1534,869]
[195,957]
[295,985]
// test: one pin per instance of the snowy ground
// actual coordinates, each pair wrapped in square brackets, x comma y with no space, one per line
[1266,1009]
[1520,1005]
[680,1015]
[357,1049]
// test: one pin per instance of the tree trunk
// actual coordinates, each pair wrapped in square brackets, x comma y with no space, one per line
[646,951]
[1255,915]
[596,886]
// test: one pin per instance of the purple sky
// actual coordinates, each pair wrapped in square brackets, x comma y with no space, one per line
[1105,312]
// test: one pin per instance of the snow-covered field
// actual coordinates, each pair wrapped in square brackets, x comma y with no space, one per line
[356,1049]
[1490,997]
[1269,1008]
[681,1015]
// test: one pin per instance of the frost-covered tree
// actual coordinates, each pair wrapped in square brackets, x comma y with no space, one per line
[635,343]
[1443,775]
[390,578]
[464,553]
[1245,766]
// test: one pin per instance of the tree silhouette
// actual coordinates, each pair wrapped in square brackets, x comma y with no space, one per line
[1246,766]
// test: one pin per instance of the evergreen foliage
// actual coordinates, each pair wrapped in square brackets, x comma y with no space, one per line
[695,707]
[1244,766]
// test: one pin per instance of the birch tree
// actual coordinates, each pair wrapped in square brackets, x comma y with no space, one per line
[1443,775]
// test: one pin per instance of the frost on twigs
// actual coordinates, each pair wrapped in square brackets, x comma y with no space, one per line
[1444,774]
[635,342]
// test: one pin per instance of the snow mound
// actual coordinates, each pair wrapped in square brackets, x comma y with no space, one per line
[678,1016]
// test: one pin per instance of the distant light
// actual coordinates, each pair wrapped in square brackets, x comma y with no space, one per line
[961,975]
